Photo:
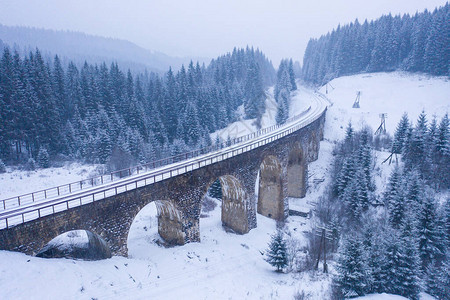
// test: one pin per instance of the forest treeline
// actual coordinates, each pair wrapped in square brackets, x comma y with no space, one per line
[98,112]
[418,43]
[397,240]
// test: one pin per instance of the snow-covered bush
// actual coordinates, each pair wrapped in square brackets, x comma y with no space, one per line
[31,164]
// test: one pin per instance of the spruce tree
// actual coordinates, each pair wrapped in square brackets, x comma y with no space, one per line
[277,253]
[393,186]
[349,139]
[355,201]
[400,134]
[416,153]
[374,252]
[409,268]
[397,207]
[43,158]
[393,260]
[351,268]
[426,227]
[346,175]
[292,75]
[442,146]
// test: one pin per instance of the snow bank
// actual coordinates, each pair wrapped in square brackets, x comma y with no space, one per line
[70,239]
[79,244]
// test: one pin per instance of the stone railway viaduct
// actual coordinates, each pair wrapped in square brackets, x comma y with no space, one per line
[281,166]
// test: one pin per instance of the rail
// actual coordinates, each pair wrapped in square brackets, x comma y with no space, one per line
[34,205]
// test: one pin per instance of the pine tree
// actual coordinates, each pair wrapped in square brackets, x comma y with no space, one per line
[365,160]
[277,253]
[6,91]
[282,107]
[435,61]
[438,280]
[215,190]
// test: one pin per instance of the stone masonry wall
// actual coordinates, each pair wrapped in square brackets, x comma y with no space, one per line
[111,218]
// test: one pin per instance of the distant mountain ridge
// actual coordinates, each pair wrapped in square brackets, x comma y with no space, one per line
[78,47]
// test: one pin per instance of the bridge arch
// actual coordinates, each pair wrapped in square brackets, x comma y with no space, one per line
[236,210]
[296,172]
[158,222]
[270,192]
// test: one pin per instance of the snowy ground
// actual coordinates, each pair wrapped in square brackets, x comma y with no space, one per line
[223,265]
[17,182]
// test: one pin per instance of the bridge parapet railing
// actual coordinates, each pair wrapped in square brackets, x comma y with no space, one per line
[32,211]
[77,186]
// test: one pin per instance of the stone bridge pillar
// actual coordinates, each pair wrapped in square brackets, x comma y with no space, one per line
[270,195]
[235,204]
[296,172]
[170,223]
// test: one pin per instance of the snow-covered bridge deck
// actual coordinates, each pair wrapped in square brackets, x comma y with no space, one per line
[34,205]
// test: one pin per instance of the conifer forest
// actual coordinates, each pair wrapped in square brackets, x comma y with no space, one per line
[96,111]
[417,43]
[250,174]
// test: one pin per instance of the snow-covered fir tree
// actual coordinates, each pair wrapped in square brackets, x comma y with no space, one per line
[351,268]
[277,252]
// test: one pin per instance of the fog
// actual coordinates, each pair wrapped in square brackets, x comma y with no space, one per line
[205,28]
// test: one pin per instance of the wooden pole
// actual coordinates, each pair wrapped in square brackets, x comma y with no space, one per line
[325,266]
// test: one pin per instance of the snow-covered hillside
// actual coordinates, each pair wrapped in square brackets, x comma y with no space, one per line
[391,93]
[301,98]
[224,265]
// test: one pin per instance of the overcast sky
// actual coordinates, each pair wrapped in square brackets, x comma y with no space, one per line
[205,28]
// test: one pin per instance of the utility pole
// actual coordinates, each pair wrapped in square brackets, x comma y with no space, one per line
[382,127]
[358,96]
[325,234]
